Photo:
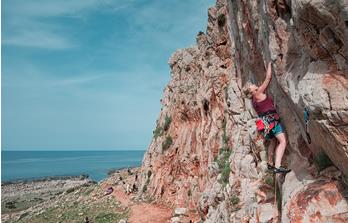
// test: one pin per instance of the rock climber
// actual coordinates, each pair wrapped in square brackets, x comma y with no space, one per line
[269,120]
[109,191]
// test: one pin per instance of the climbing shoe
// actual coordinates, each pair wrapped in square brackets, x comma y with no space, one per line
[281,170]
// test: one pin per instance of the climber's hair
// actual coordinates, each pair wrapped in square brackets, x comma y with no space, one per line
[246,90]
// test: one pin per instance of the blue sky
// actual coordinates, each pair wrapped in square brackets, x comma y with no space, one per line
[89,74]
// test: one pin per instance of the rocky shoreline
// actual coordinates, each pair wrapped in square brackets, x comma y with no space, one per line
[42,179]
[64,199]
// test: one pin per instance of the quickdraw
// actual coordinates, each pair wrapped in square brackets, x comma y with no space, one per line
[306,119]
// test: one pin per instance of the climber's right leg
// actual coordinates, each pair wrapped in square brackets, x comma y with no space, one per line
[279,154]
[280,149]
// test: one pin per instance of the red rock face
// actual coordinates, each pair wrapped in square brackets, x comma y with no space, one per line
[307,44]
[320,201]
[195,101]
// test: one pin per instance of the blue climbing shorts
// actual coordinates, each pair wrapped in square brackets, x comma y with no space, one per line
[277,129]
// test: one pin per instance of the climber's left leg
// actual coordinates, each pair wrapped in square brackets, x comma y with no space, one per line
[270,153]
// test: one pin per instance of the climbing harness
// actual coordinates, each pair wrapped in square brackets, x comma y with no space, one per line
[267,121]
[306,119]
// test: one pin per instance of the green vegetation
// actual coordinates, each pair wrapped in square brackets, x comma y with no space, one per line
[11,205]
[224,166]
[234,199]
[221,20]
[223,158]
[75,207]
[167,121]
[269,180]
[322,161]
[72,215]
[160,130]
[167,143]
[107,217]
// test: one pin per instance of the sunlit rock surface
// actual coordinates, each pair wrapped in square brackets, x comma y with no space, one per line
[206,155]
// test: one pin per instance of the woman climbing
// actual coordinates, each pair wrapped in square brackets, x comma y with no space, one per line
[269,121]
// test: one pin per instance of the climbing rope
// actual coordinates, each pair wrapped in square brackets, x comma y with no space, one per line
[275,210]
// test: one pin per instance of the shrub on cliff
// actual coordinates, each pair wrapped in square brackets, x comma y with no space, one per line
[224,166]
[225,173]
[234,200]
[167,143]
[269,180]
[158,131]
[167,121]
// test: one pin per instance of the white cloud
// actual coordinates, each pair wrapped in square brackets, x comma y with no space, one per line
[46,8]
[25,22]
[39,39]
[75,80]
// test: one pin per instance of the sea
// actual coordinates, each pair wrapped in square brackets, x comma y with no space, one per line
[31,165]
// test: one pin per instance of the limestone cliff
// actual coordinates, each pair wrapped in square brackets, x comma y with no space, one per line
[206,154]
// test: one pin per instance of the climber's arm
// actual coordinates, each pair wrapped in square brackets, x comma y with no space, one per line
[267,80]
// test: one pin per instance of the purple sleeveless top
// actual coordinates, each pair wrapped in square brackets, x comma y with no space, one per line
[263,106]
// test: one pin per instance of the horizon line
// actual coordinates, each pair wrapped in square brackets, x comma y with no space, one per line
[59,150]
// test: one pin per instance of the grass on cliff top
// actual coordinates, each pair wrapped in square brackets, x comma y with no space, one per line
[76,206]
[96,214]
[16,204]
